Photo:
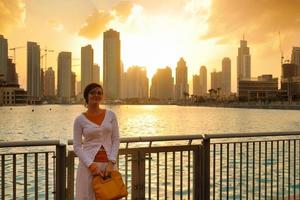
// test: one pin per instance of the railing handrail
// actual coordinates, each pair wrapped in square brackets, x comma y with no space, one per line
[157,138]
[258,134]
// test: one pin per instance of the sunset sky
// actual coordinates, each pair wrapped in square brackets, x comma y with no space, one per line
[156,33]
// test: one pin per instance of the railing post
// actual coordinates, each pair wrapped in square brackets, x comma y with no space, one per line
[138,176]
[70,175]
[60,190]
[197,173]
[205,159]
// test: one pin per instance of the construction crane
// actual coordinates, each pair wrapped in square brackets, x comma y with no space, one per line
[14,49]
[45,55]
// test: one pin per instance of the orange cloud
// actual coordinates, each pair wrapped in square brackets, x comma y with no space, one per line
[258,20]
[98,21]
[12,13]
[95,24]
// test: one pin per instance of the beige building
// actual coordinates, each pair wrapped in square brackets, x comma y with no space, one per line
[203,80]
[49,83]
[181,85]
[135,83]
[96,73]
[12,95]
[73,84]
[226,76]
[162,86]
[87,65]
[33,71]
[216,80]
[3,58]
[64,76]
[112,65]
[196,85]
[243,61]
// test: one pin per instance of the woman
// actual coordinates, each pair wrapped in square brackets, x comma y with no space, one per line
[98,151]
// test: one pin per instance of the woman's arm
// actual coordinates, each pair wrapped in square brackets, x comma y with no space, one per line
[115,137]
[77,144]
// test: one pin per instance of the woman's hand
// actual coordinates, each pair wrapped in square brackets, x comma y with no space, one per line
[95,170]
[109,168]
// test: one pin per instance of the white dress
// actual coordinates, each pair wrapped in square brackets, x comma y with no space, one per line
[94,136]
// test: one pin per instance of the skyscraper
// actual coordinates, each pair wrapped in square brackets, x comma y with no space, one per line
[162,84]
[73,84]
[216,80]
[226,76]
[33,71]
[12,76]
[243,61]
[96,73]
[181,85]
[49,90]
[295,58]
[3,58]
[112,64]
[87,63]
[196,85]
[64,76]
[135,83]
[203,80]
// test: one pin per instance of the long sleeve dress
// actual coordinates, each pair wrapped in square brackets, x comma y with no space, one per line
[88,137]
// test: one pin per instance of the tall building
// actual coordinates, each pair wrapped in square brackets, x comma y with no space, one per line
[203,80]
[295,58]
[162,84]
[216,80]
[11,76]
[226,76]
[243,61]
[196,85]
[87,63]
[112,64]
[3,58]
[73,84]
[33,71]
[78,87]
[181,85]
[49,90]
[64,76]
[135,83]
[96,73]
[42,83]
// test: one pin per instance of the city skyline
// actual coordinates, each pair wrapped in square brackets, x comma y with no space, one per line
[143,25]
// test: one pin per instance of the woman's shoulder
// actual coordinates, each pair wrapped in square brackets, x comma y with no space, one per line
[79,117]
[110,112]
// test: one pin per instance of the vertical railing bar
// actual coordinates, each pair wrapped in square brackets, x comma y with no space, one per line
[14,176]
[294,170]
[266,164]
[272,169]
[247,169]
[46,176]
[234,169]
[181,172]
[126,172]
[149,176]
[189,175]
[283,147]
[227,171]
[173,183]
[25,176]
[289,168]
[221,161]
[36,176]
[259,169]
[3,175]
[166,177]
[277,170]
[157,178]
[214,172]
[253,169]
[241,171]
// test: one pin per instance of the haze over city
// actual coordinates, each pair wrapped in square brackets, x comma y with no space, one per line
[200,31]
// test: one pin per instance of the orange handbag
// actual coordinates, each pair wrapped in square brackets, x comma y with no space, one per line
[112,188]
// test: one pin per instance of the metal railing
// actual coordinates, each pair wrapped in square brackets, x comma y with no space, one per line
[211,166]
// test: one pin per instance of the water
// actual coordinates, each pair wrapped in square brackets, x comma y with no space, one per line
[56,121]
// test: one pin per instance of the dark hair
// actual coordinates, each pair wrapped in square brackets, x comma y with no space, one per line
[88,88]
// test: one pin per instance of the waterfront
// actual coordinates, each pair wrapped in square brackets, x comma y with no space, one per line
[55,121]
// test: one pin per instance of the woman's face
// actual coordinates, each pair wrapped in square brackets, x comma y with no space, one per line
[95,96]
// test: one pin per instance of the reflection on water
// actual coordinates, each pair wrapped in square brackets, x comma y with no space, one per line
[56,121]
